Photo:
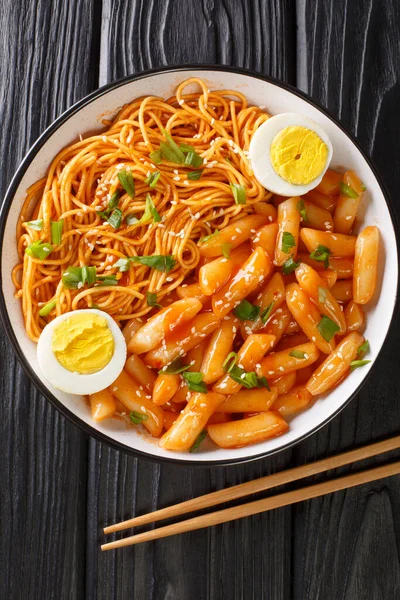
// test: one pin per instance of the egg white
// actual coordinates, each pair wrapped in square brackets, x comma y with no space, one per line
[77,383]
[260,146]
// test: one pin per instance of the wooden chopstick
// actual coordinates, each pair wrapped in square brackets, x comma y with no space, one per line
[259,485]
[258,506]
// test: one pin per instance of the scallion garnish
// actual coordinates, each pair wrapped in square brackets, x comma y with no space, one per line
[289,266]
[157,261]
[174,368]
[131,219]
[106,280]
[115,219]
[199,440]
[239,193]
[321,254]
[126,180]
[170,150]
[363,186]
[155,157]
[302,210]
[47,308]
[72,278]
[322,293]
[208,237]
[347,190]
[364,348]
[39,250]
[230,362]
[88,275]
[112,204]
[297,354]
[266,313]
[195,381]
[56,228]
[36,225]
[186,148]
[355,364]
[247,379]
[150,212]
[137,417]
[245,311]
[194,175]
[193,159]
[152,179]
[288,241]
[327,328]
[123,264]
[152,300]
[226,250]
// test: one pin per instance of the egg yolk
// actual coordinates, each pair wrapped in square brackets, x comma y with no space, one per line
[298,155]
[83,343]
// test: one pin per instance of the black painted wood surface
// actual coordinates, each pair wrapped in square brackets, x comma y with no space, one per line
[58,488]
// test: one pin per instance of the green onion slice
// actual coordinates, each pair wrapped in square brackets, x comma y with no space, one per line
[194,175]
[347,190]
[126,180]
[297,354]
[248,380]
[36,225]
[39,250]
[174,368]
[230,362]
[302,210]
[137,417]
[364,348]
[152,179]
[247,311]
[288,241]
[107,280]
[266,313]
[170,150]
[157,261]
[152,300]
[88,275]
[355,364]
[199,440]
[186,148]
[193,160]
[72,278]
[239,193]
[47,308]
[289,266]
[115,219]
[131,219]
[156,157]
[56,228]
[123,264]
[322,294]
[327,328]
[150,212]
[195,382]
[208,237]
[321,254]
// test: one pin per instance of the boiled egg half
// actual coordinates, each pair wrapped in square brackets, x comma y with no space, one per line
[289,154]
[81,352]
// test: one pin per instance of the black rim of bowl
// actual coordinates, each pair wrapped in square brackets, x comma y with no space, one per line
[3,219]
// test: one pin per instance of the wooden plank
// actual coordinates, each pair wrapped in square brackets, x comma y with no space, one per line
[45,67]
[231,561]
[345,546]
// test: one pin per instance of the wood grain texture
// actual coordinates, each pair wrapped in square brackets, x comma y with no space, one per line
[45,67]
[231,561]
[349,62]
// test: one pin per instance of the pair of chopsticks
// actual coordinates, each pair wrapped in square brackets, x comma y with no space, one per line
[258,485]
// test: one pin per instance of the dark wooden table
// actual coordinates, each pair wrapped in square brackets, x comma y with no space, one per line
[59,487]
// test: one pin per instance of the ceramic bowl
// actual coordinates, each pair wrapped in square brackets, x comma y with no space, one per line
[85,116]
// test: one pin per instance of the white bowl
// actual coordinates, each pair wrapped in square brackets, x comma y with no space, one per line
[85,116]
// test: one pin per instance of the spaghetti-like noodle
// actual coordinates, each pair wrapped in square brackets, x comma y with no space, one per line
[84,176]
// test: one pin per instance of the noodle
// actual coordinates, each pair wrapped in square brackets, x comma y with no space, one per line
[83,177]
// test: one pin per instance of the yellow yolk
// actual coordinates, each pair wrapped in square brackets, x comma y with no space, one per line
[83,343]
[298,155]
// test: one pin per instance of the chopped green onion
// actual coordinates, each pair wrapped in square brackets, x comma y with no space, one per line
[150,212]
[174,368]
[226,250]
[115,219]
[246,311]
[152,179]
[322,294]
[152,300]
[113,203]
[347,190]
[72,278]
[123,264]
[289,266]
[208,237]
[56,228]
[155,157]
[229,362]
[363,186]
[288,241]
[248,380]
[199,440]
[355,364]
[137,417]
[321,254]
[186,148]
[302,210]
[107,280]
[239,193]
[126,180]
[327,328]
[297,354]
[170,150]
[131,219]
[47,308]
[364,348]
[88,275]
[193,160]
[195,382]
[157,261]
[36,225]
[266,313]
[39,250]
[194,175]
